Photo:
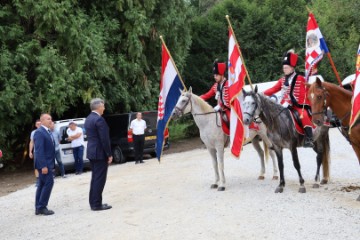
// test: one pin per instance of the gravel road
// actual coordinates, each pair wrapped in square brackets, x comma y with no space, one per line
[173,200]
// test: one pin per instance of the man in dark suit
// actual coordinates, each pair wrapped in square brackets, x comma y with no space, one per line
[98,152]
[44,163]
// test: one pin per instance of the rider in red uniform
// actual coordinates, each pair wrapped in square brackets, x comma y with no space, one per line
[293,94]
[220,90]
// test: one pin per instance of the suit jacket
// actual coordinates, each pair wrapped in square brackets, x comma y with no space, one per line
[97,132]
[44,148]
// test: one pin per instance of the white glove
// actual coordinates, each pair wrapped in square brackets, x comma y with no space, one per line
[217,108]
[285,104]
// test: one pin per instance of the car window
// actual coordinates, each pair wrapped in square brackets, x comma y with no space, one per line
[63,134]
[118,124]
[149,117]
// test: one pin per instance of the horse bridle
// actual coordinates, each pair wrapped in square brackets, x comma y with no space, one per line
[256,106]
[324,111]
[181,110]
[256,119]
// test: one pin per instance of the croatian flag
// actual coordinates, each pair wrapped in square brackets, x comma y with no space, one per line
[315,47]
[236,77]
[170,84]
[356,97]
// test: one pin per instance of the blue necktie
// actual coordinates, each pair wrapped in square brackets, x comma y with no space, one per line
[52,137]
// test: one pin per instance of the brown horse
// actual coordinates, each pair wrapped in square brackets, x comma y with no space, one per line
[323,95]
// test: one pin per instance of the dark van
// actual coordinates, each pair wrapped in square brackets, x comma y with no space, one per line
[121,137]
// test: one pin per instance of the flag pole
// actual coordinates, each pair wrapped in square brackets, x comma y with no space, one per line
[334,69]
[238,47]
[172,60]
[330,59]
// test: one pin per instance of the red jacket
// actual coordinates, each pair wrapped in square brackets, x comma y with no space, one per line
[225,101]
[298,94]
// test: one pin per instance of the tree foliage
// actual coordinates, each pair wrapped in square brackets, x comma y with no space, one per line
[57,55]
[265,30]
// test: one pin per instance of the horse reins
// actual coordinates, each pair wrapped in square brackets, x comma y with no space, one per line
[324,106]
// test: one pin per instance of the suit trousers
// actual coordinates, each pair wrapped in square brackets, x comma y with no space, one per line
[139,141]
[99,170]
[43,191]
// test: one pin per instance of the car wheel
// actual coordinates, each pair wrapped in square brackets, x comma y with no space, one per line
[118,156]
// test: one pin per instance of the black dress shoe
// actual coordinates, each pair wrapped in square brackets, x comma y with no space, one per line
[102,207]
[141,161]
[44,211]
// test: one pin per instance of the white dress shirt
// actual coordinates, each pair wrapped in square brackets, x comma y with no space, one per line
[138,126]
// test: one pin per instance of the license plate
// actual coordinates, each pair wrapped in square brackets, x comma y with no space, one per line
[68,151]
[150,138]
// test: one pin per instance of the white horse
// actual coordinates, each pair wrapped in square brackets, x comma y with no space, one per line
[209,124]
[255,135]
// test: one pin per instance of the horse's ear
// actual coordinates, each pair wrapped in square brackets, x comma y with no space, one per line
[318,82]
[190,90]
[256,89]
[244,92]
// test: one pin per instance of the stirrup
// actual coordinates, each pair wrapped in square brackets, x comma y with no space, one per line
[308,143]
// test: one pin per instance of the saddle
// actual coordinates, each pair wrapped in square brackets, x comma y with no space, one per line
[297,121]
[225,123]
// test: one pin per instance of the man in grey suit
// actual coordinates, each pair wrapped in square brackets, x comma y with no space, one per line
[44,163]
[98,152]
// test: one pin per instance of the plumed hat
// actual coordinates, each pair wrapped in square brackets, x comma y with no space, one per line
[290,58]
[219,67]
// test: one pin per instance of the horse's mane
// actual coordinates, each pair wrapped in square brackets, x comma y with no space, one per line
[274,114]
[330,86]
[203,104]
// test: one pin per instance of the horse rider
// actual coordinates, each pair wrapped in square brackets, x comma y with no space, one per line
[293,94]
[220,90]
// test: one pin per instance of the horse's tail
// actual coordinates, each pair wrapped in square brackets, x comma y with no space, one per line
[326,158]
[266,151]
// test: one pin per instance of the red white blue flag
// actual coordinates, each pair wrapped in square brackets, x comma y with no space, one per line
[315,47]
[355,111]
[170,84]
[236,77]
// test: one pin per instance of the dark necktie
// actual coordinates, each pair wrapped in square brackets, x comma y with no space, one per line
[52,137]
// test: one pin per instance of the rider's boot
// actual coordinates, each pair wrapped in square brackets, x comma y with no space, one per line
[308,142]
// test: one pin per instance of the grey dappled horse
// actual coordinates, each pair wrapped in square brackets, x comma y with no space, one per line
[209,124]
[282,133]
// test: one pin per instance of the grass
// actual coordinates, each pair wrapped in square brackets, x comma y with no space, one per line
[180,130]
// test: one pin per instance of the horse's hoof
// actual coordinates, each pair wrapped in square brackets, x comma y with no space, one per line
[316,185]
[221,189]
[261,178]
[358,199]
[302,190]
[279,190]
[213,186]
[275,178]
[324,182]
